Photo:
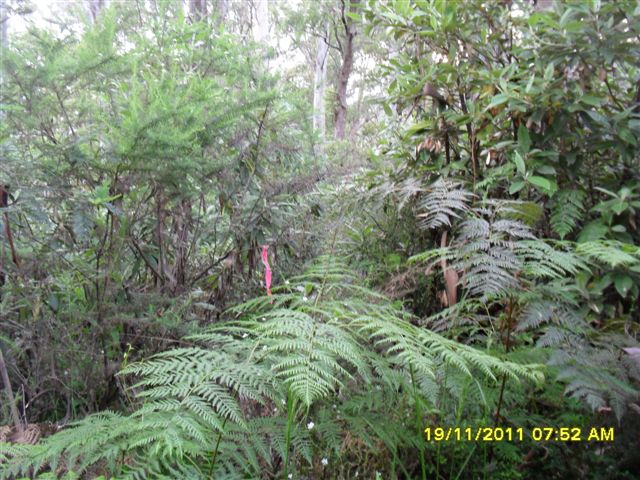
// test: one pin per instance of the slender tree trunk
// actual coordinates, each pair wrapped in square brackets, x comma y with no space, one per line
[182,227]
[12,401]
[159,235]
[220,9]
[340,113]
[198,9]
[320,83]
[95,7]
[261,26]
[4,25]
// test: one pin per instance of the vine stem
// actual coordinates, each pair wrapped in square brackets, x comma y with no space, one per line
[418,415]
[507,347]
[215,451]
[290,417]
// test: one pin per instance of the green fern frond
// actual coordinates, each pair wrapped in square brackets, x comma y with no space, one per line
[610,252]
[445,200]
[541,260]
[595,376]
[567,211]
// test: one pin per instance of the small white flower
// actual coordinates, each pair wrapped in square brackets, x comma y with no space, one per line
[290,475]
[220,141]
[245,335]
[304,299]
[325,462]
[286,282]
[310,425]
[275,410]
[357,473]
[264,347]
[300,288]
[283,402]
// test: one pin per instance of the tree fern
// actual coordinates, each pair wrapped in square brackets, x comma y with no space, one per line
[503,266]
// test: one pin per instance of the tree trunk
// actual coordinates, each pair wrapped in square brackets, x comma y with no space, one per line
[15,416]
[340,114]
[261,26]
[198,9]
[320,83]
[4,25]
[541,5]
[220,9]
[183,221]
[95,7]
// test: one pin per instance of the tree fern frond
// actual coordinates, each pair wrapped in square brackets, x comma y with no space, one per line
[595,375]
[444,200]
[541,260]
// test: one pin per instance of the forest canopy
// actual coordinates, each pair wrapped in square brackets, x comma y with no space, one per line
[344,239]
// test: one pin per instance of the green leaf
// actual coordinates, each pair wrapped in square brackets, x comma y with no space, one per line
[516,187]
[418,127]
[599,285]
[599,119]
[546,170]
[354,16]
[619,207]
[518,160]
[627,137]
[548,72]
[393,260]
[623,284]
[527,212]
[524,140]
[101,195]
[591,100]
[541,182]
[594,230]
[497,100]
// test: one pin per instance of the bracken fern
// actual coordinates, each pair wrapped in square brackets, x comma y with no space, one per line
[216,408]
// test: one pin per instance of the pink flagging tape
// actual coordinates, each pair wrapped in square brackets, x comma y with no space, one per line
[267,273]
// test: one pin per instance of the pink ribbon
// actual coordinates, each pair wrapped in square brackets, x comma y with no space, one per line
[267,273]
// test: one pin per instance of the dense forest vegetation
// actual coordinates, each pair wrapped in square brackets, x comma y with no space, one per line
[320,240]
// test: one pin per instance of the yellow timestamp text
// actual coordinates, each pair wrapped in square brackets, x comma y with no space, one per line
[509,434]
